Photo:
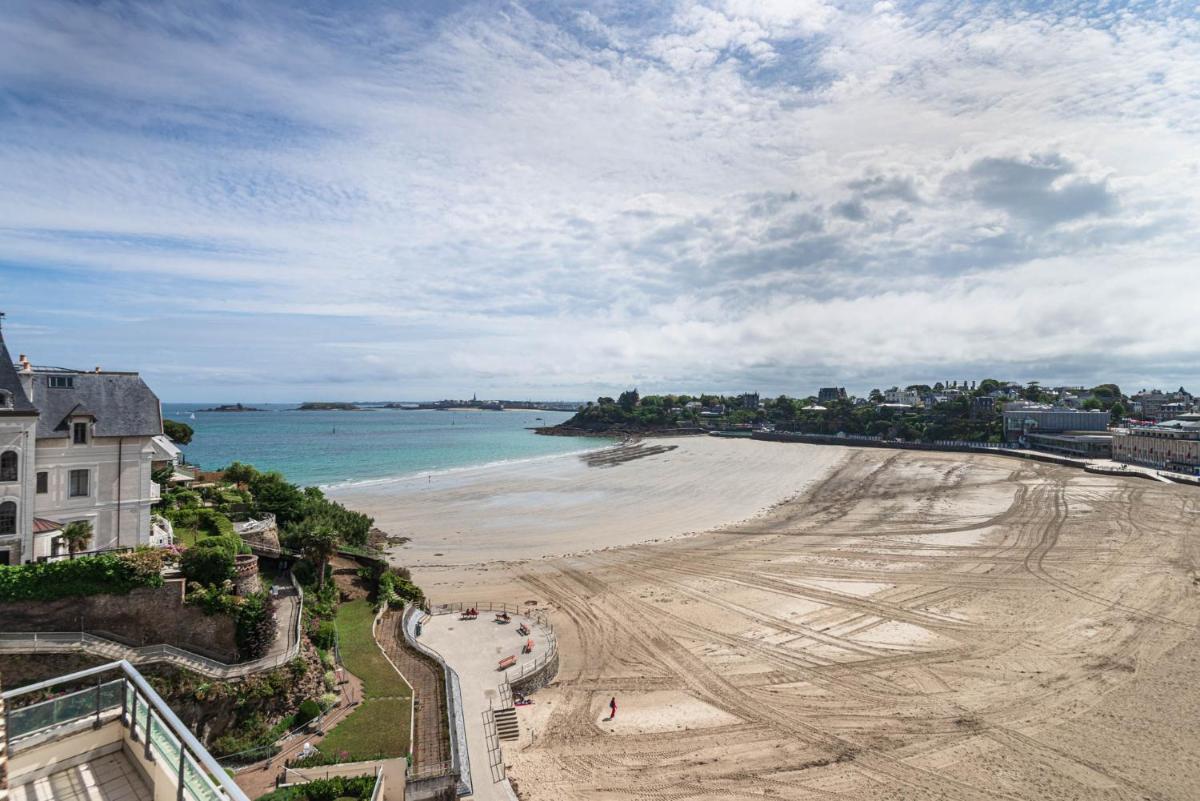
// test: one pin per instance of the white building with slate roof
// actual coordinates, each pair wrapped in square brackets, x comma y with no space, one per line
[74,445]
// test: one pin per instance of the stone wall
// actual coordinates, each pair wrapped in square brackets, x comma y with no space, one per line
[146,616]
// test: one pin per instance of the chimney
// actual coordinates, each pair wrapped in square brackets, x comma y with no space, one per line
[25,365]
[97,368]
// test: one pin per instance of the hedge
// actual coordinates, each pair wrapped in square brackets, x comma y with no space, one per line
[70,578]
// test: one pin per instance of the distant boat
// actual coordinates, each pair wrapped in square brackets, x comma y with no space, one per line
[193,415]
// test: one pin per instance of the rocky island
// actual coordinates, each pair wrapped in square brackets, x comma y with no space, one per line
[232,407]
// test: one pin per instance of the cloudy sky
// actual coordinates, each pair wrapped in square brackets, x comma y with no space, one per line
[351,200]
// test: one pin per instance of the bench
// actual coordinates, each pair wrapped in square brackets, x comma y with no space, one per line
[502,617]
[523,630]
[528,646]
[507,662]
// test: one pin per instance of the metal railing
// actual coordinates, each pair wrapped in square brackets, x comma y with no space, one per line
[132,701]
[60,641]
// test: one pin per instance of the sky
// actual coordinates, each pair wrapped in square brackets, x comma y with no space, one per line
[359,200]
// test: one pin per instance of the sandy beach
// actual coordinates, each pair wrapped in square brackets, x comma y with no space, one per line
[463,523]
[855,624]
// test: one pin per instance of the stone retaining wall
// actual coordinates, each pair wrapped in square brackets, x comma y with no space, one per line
[145,616]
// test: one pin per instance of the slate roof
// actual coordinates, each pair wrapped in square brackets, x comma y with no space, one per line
[121,403]
[10,383]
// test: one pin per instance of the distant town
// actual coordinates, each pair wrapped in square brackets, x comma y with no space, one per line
[1153,428]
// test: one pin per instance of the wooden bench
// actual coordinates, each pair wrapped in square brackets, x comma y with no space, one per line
[507,662]
[528,646]
[523,630]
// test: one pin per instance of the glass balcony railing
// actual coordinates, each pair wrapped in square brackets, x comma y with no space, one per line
[132,701]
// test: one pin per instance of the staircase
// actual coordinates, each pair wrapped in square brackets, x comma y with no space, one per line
[506,723]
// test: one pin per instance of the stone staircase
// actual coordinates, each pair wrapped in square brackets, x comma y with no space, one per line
[506,723]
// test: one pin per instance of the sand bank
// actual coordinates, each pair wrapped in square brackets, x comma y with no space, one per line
[656,490]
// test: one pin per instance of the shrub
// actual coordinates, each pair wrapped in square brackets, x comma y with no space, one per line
[323,635]
[308,710]
[396,591]
[255,625]
[328,700]
[207,566]
[145,562]
[88,575]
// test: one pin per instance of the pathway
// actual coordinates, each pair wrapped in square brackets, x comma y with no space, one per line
[431,736]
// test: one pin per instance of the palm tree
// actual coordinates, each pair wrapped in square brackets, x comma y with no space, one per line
[77,535]
[318,544]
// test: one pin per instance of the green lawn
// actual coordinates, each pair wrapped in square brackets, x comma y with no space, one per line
[362,656]
[378,728]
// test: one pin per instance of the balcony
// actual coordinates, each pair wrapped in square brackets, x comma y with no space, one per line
[115,739]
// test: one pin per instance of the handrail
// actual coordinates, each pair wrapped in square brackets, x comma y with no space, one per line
[163,712]
[25,642]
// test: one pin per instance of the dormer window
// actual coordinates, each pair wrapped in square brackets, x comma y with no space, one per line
[61,382]
[79,433]
[5,399]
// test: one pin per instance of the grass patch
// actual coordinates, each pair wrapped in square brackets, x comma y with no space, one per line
[376,730]
[186,536]
[362,656]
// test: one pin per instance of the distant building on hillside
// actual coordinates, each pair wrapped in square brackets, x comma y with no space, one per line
[1022,418]
[75,445]
[749,400]
[828,394]
[906,396]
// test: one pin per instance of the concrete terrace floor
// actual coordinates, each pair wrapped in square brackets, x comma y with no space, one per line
[473,648]
[108,778]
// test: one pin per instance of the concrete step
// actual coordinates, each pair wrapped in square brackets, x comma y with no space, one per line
[507,727]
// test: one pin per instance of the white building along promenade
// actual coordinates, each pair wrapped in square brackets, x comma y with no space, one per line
[74,445]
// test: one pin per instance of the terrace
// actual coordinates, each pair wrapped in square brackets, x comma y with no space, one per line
[115,739]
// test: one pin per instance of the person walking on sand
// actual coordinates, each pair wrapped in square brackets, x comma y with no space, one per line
[612,708]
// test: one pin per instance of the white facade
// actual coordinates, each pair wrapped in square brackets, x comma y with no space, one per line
[90,462]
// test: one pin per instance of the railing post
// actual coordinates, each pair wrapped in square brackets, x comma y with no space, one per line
[133,735]
[96,722]
[125,703]
[182,757]
[149,723]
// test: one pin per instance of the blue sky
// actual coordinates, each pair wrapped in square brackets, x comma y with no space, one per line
[347,200]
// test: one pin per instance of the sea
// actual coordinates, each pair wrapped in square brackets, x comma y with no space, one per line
[340,448]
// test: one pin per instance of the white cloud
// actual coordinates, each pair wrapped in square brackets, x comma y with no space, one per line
[731,192]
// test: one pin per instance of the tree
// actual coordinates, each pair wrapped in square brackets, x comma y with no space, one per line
[628,399]
[319,543]
[76,535]
[1118,412]
[272,493]
[180,433]
[239,473]
[1091,404]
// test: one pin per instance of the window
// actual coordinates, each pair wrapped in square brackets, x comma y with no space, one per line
[79,483]
[5,399]
[79,436]
[43,483]
[60,381]
[8,518]
[8,466]
[5,557]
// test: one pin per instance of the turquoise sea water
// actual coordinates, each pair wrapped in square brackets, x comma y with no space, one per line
[328,448]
